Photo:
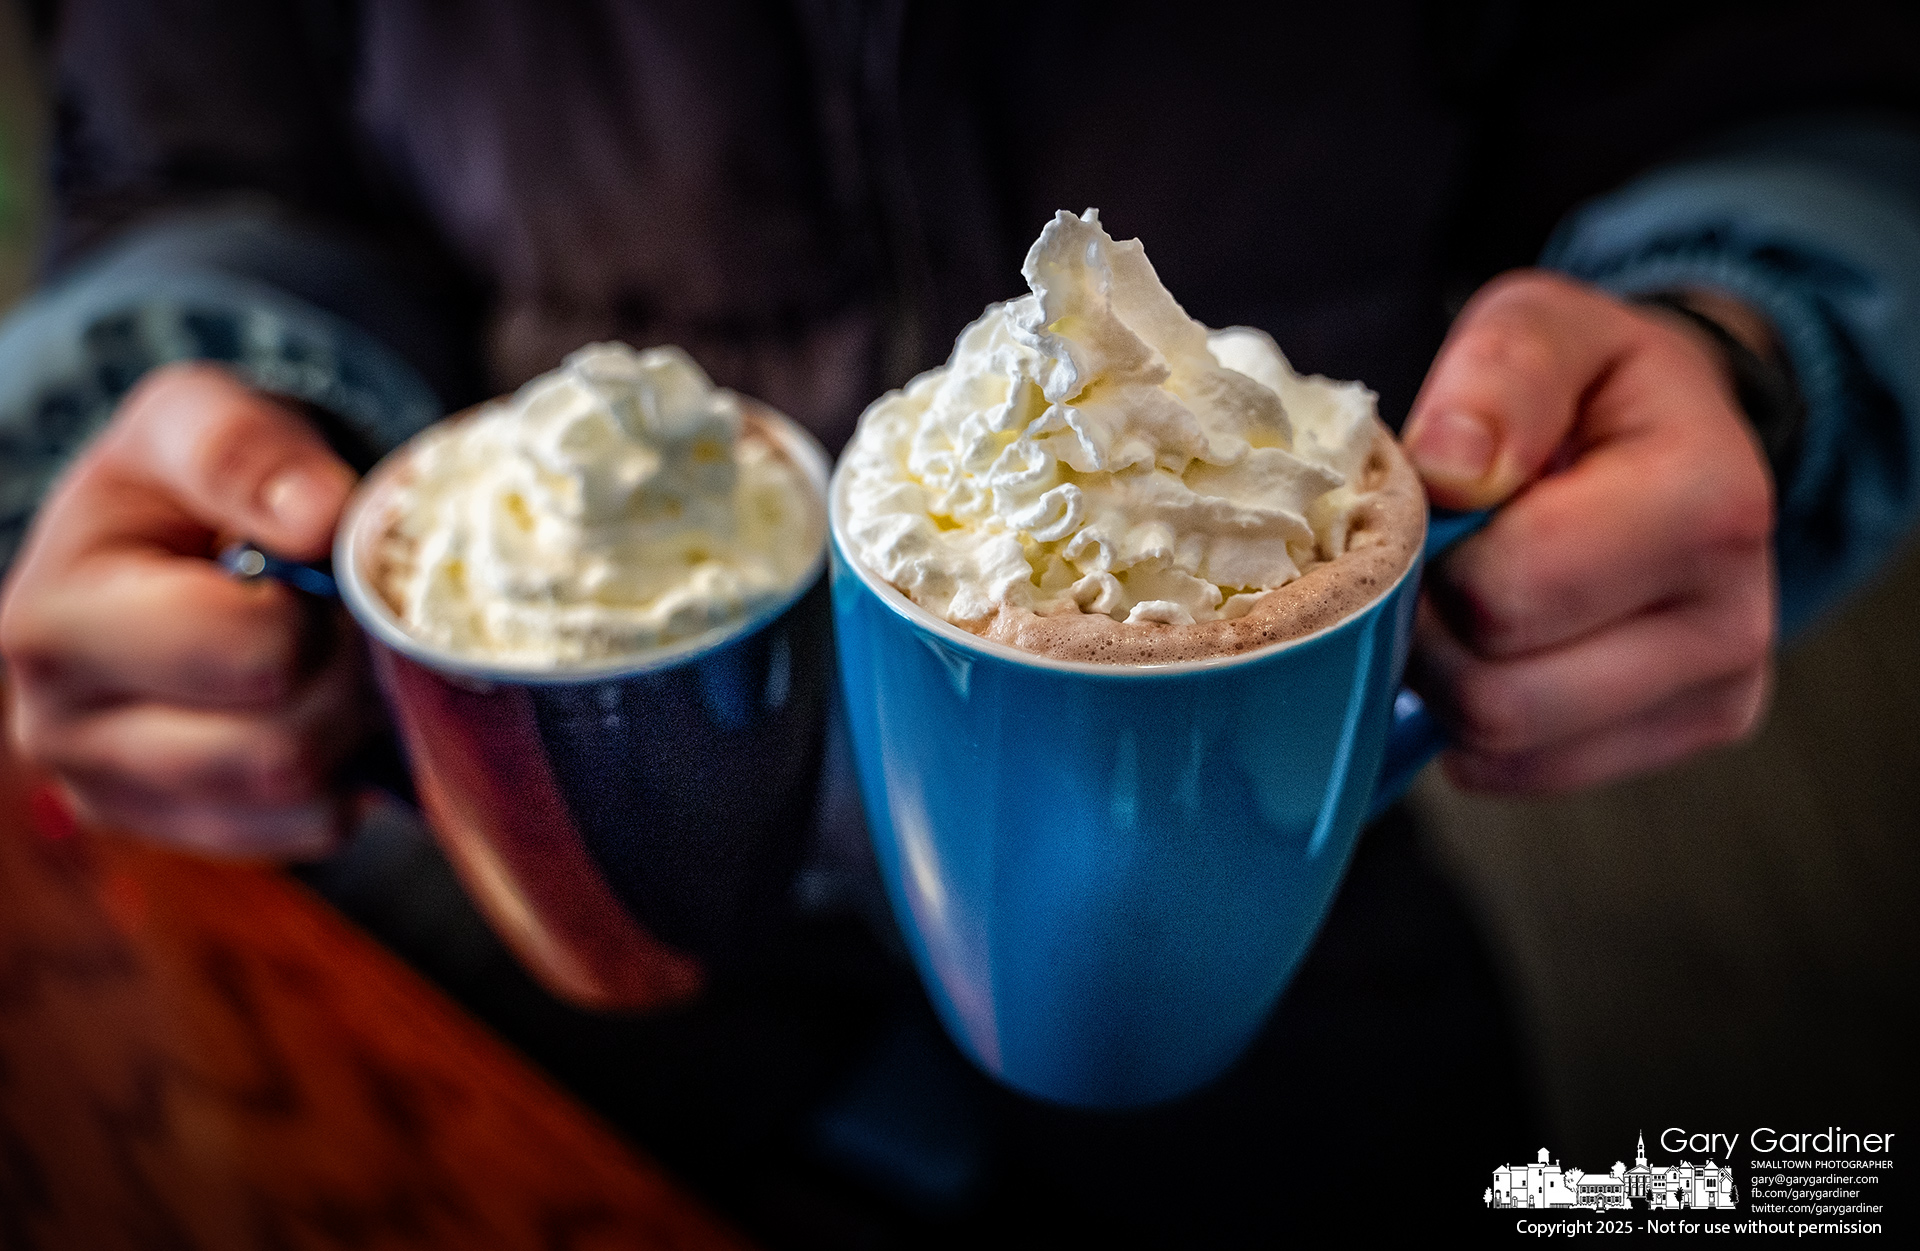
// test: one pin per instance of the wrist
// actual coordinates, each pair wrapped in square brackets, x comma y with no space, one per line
[1753,361]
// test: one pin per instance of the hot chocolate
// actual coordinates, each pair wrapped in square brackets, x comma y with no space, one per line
[597,612]
[620,504]
[1096,476]
[1384,532]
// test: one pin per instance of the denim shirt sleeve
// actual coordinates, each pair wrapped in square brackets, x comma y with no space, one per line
[1819,228]
[215,288]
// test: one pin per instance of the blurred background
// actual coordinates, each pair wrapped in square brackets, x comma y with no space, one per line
[1733,941]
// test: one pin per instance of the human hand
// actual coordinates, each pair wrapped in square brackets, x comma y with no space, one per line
[1617,615]
[169,698]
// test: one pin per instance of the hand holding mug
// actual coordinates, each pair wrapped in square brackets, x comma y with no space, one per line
[169,698]
[1617,614]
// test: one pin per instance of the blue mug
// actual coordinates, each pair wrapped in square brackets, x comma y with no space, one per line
[1107,874]
[630,825]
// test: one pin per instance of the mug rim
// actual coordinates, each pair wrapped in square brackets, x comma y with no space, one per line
[372,614]
[903,606]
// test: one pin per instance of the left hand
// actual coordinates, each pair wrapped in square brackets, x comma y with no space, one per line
[169,699]
[1617,615]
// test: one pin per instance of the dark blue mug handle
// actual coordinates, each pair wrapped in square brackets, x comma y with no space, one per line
[378,762]
[246,561]
[1415,737]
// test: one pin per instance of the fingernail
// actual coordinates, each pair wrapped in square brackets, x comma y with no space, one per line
[295,499]
[1454,446]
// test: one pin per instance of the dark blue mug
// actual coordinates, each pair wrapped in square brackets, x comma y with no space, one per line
[1107,874]
[627,825]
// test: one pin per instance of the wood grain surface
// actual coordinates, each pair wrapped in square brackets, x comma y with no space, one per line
[204,1055]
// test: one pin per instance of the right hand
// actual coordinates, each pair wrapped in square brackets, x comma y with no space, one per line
[1617,615]
[169,698]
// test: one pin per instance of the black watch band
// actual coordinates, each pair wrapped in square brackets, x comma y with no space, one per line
[1766,389]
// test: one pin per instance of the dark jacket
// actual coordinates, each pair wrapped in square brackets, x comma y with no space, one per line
[391,208]
[814,196]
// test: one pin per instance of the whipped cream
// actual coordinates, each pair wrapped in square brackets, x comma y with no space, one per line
[608,507]
[1091,448]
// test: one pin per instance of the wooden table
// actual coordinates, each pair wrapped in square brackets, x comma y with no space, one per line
[199,1054]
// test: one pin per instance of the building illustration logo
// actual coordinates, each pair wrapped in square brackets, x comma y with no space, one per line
[1544,1184]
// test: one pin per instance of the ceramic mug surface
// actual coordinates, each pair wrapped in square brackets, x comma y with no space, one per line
[625,825]
[1107,874]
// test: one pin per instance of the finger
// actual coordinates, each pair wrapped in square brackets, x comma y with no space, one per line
[188,756]
[1560,695]
[1632,525]
[196,756]
[1707,716]
[304,832]
[1505,389]
[241,463]
[204,639]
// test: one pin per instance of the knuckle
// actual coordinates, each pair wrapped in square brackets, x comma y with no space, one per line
[154,406]
[1714,487]
[1738,511]
[1748,636]
[208,432]
[193,380]
[1745,709]
[32,732]
[1493,612]
[226,457]
[1507,345]
[1736,630]
[264,671]
[1733,713]
[177,374]
[1490,716]
[1489,774]
[25,639]
[1500,622]
[292,833]
[283,769]
[1526,290]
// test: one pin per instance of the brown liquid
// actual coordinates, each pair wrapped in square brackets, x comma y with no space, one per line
[1387,530]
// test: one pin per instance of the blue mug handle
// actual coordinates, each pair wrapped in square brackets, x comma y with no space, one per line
[1415,737]
[246,562]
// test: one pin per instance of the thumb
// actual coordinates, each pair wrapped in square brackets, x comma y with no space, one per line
[1505,391]
[240,462]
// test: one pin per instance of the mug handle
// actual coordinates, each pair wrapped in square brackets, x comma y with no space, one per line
[1415,737]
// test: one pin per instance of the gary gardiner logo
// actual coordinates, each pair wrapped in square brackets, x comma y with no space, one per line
[1544,1184]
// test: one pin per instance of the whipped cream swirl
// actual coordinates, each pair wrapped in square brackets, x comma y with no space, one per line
[608,507]
[1091,448]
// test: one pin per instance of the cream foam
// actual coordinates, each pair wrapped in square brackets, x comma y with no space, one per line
[1091,449]
[617,504]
